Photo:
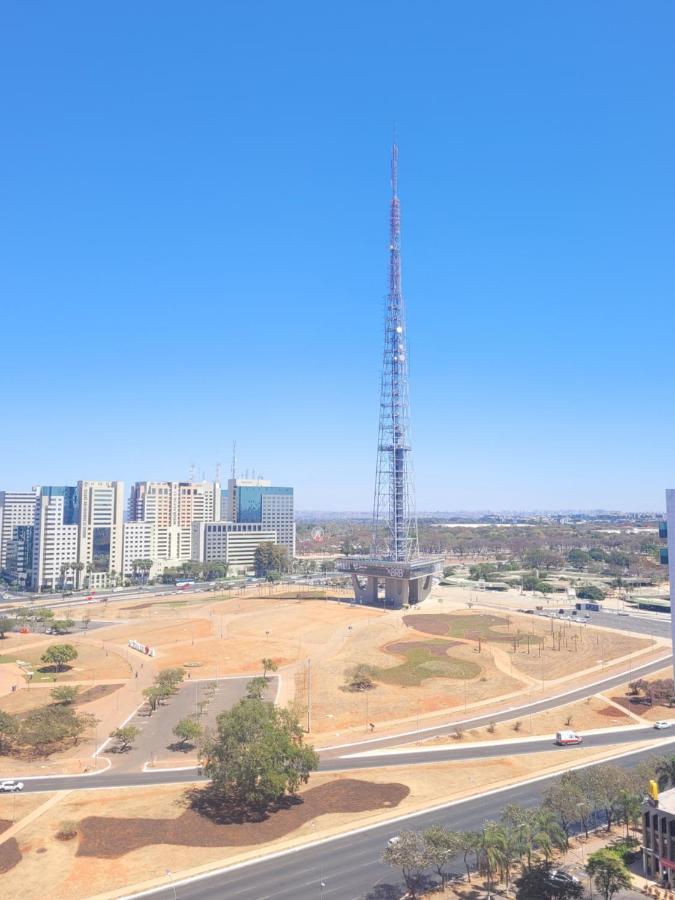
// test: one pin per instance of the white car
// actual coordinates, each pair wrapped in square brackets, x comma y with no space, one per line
[661,724]
[393,841]
[9,785]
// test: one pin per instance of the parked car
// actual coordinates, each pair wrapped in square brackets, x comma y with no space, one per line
[557,876]
[9,785]
[393,841]
[661,724]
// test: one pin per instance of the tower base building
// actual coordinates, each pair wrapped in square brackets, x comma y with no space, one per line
[405,583]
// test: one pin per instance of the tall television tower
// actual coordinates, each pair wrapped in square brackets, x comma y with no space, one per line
[394,559]
[394,521]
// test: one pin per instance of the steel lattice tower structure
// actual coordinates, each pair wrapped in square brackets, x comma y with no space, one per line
[394,559]
[394,520]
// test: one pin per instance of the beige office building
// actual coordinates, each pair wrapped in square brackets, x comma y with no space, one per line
[101,531]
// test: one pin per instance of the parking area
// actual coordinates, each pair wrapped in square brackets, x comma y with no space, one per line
[203,699]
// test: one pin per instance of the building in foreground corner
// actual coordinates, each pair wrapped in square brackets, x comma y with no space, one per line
[669,532]
[658,836]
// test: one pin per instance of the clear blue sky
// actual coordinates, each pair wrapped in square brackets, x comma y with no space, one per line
[194,227]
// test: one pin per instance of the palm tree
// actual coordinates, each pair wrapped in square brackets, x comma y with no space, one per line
[492,851]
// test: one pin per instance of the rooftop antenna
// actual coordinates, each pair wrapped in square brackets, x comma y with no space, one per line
[192,473]
[233,473]
[218,472]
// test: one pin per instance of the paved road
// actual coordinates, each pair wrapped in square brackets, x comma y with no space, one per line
[638,623]
[156,731]
[118,779]
[509,713]
[350,867]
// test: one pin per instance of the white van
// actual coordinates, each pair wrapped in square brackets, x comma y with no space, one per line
[562,738]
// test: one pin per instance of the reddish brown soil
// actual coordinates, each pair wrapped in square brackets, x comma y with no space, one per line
[10,855]
[95,693]
[611,712]
[112,837]
[5,824]
[429,623]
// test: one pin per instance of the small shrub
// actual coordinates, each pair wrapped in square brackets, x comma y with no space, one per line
[459,733]
[491,727]
[67,831]
[517,725]
[568,721]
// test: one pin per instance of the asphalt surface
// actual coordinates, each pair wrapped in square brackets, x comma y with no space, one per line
[114,778]
[350,867]
[156,736]
[508,713]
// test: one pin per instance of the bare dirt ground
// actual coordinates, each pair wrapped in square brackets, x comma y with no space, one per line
[441,657]
[91,863]
[621,695]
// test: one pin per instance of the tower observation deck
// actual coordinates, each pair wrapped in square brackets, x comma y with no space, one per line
[395,558]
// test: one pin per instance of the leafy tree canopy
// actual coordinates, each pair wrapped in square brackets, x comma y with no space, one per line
[257,755]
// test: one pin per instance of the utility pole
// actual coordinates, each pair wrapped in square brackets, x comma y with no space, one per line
[309,695]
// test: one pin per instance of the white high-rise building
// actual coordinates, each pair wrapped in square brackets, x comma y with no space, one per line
[167,546]
[101,531]
[257,500]
[17,508]
[55,539]
[234,543]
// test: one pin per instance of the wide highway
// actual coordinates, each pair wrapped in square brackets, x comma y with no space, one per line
[349,867]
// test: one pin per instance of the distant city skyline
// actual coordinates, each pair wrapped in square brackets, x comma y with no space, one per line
[193,247]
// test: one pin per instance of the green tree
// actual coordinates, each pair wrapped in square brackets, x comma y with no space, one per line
[65,693]
[440,844]
[411,855]
[665,772]
[608,872]
[535,884]
[590,592]
[492,850]
[578,559]
[5,626]
[188,731]
[170,679]
[268,666]
[468,842]
[63,626]
[9,728]
[58,655]
[155,694]
[48,725]
[44,615]
[566,799]
[125,737]
[256,687]
[270,557]
[257,755]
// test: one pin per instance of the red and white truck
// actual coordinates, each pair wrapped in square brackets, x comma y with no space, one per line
[562,738]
